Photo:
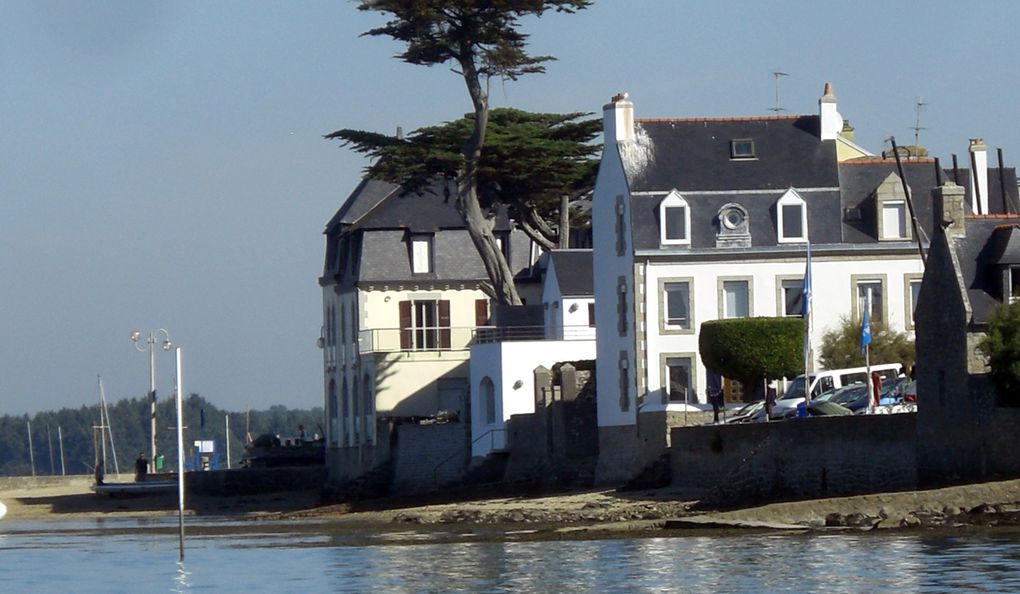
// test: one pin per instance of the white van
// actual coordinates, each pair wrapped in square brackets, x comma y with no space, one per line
[823,381]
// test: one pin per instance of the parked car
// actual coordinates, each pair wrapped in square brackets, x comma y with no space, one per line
[830,379]
[820,408]
[745,413]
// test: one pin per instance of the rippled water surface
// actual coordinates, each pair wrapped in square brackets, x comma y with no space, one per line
[223,556]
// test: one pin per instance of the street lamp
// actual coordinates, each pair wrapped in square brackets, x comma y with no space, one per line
[136,336]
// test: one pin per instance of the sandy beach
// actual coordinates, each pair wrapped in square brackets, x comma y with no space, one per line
[588,512]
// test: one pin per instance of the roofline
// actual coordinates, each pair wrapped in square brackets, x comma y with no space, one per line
[771,118]
[992,216]
[889,161]
[796,251]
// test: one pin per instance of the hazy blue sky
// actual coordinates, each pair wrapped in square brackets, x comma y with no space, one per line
[162,166]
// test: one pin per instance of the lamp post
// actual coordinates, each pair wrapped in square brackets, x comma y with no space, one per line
[136,336]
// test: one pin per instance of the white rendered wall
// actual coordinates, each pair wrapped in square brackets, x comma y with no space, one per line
[506,363]
[833,292]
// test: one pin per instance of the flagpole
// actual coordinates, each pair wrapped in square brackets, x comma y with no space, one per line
[867,353]
[806,305]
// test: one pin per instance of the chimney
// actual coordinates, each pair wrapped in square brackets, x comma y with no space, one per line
[831,121]
[847,131]
[979,175]
[618,119]
[949,199]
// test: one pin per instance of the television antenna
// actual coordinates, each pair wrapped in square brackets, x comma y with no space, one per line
[777,74]
[919,106]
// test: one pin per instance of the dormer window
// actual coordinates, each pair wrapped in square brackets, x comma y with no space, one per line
[791,212]
[674,220]
[1014,284]
[891,203]
[742,148]
[421,254]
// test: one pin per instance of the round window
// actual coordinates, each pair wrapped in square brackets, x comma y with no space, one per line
[733,218]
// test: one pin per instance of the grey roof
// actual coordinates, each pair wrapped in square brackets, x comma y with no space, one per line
[573,272]
[823,209]
[694,154]
[859,181]
[363,199]
[998,203]
[988,240]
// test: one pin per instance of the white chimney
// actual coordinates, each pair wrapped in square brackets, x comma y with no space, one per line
[831,121]
[979,176]
[618,119]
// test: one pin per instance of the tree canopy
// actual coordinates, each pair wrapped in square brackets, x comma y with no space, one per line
[841,345]
[753,349]
[482,40]
[1002,347]
[529,162]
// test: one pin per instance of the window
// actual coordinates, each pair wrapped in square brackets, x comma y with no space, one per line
[366,391]
[334,414]
[591,315]
[674,220]
[677,298]
[742,148]
[871,291]
[424,325]
[791,300]
[911,292]
[621,229]
[894,220]
[736,299]
[421,254]
[791,211]
[678,379]
[891,210]
[621,306]
[1014,284]
[488,400]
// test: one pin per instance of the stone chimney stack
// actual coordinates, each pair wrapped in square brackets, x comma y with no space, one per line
[979,175]
[831,121]
[949,199]
[618,119]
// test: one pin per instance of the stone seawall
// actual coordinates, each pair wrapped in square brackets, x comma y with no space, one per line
[797,459]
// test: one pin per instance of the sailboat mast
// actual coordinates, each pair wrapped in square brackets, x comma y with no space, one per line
[105,423]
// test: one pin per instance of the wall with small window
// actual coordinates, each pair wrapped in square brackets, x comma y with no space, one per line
[674,220]
[792,220]
[891,210]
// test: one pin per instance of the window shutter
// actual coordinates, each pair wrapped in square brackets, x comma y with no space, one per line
[481,312]
[405,325]
[444,324]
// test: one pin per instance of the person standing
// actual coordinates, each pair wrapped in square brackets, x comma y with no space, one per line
[770,400]
[141,468]
[715,395]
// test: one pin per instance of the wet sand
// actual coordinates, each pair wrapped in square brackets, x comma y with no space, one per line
[581,514]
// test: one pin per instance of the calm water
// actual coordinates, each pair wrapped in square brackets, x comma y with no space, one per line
[223,556]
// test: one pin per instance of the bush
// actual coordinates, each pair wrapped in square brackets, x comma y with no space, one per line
[841,346]
[1002,347]
[752,349]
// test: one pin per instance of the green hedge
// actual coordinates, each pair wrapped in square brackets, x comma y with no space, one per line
[753,348]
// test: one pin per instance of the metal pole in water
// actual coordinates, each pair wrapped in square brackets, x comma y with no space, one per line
[180,453]
[226,418]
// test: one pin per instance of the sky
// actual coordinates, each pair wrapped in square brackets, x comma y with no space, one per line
[162,164]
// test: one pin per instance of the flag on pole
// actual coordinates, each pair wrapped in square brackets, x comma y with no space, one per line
[865,327]
[806,310]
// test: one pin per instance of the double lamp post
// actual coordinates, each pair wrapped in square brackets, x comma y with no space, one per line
[136,336]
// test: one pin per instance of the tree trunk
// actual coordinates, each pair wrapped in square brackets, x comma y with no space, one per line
[479,225]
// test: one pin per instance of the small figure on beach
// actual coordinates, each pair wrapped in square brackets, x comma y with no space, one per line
[100,472]
[141,468]
[302,436]
[715,395]
[876,386]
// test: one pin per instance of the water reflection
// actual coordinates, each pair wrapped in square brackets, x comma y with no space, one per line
[182,581]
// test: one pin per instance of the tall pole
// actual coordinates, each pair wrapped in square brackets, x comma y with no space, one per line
[152,403]
[226,419]
[180,453]
[49,442]
[31,454]
[60,441]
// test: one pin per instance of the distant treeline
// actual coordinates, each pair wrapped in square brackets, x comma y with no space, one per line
[129,422]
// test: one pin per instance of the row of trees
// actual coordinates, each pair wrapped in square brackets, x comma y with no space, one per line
[129,422]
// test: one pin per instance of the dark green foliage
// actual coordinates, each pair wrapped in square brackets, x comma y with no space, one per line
[441,31]
[753,349]
[129,421]
[529,161]
[841,346]
[1002,347]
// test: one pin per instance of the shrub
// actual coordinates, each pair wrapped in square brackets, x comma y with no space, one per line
[753,349]
[841,346]
[1002,347]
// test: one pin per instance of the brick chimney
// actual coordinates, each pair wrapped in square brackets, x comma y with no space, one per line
[831,121]
[618,119]
[979,176]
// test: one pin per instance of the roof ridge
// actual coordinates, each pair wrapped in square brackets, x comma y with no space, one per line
[766,118]
[889,161]
[992,216]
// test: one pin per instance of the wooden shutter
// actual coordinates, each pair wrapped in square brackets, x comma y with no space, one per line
[481,312]
[405,325]
[444,324]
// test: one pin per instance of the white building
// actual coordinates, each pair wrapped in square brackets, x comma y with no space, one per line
[707,218]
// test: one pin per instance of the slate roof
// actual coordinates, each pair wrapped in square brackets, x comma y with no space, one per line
[859,181]
[694,154]
[998,203]
[573,272]
[991,240]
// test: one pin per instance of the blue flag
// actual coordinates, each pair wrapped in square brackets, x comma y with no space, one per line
[865,327]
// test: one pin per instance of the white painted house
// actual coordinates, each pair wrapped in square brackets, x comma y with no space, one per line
[699,219]
[504,360]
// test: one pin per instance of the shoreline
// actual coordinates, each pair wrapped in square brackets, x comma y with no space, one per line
[582,514]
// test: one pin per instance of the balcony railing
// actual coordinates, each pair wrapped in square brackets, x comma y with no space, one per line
[390,340]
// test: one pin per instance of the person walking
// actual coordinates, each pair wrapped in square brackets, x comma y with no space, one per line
[141,468]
